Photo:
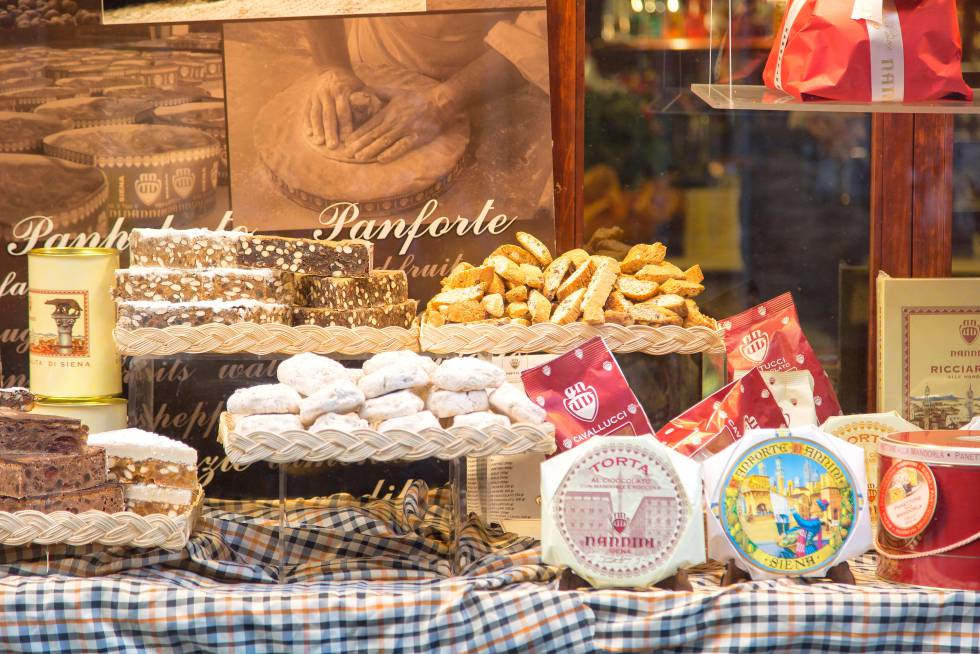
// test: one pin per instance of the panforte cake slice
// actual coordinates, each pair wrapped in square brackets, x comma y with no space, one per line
[379,288]
[142,313]
[30,474]
[181,285]
[135,456]
[391,315]
[36,432]
[350,258]
[104,497]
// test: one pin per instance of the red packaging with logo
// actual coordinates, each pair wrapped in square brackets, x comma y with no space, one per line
[769,336]
[585,394]
[723,417]
[868,51]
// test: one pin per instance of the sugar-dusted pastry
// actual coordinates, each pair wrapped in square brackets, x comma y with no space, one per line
[468,374]
[385,315]
[38,473]
[133,314]
[183,285]
[106,497]
[147,499]
[350,258]
[339,396]
[446,404]
[513,402]
[396,377]
[274,423]
[339,421]
[481,420]
[381,287]
[17,398]
[392,405]
[37,432]
[135,456]
[308,372]
[415,422]
[266,398]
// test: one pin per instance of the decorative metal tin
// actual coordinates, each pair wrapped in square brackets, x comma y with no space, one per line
[787,502]
[97,413]
[929,508]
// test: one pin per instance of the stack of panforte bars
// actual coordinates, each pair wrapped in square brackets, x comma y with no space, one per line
[199,276]
[46,463]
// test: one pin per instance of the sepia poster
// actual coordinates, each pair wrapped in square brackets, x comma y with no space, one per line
[445,153]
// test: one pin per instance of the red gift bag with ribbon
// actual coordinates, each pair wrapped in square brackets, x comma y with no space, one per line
[868,50]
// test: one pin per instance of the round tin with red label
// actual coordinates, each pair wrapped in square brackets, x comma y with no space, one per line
[927,503]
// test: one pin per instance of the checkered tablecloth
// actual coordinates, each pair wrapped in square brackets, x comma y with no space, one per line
[374,576]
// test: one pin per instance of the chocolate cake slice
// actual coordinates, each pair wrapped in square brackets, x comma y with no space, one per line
[105,497]
[17,398]
[36,432]
[26,474]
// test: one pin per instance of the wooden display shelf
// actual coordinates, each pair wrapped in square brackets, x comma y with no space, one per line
[760,98]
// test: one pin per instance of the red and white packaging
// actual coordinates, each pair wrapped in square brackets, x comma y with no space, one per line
[769,336]
[868,51]
[585,394]
[723,417]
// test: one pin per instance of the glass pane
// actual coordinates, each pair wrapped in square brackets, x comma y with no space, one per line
[765,202]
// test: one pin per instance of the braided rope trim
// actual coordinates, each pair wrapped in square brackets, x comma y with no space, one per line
[366,444]
[551,338]
[118,529]
[270,338]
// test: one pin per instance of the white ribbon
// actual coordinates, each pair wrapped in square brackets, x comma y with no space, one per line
[887,53]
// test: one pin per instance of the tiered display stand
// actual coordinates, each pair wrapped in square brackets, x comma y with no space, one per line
[454,444]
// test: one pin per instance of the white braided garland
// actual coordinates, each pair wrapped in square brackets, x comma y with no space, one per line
[262,339]
[474,338]
[121,529]
[366,444]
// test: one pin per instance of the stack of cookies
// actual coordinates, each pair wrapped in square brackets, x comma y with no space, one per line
[392,390]
[523,284]
[199,276]
[47,465]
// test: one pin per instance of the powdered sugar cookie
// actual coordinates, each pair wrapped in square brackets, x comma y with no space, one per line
[514,402]
[267,398]
[468,374]
[446,404]
[396,377]
[339,421]
[392,405]
[481,420]
[308,372]
[273,423]
[415,422]
[384,359]
[340,396]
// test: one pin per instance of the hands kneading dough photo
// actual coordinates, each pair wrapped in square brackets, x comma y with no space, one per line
[391,390]
[524,284]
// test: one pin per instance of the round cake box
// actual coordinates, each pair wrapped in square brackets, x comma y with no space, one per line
[928,496]
[97,112]
[153,170]
[207,116]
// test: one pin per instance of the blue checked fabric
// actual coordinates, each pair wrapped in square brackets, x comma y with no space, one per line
[374,576]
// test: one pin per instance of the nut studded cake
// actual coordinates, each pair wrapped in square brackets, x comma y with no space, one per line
[387,315]
[28,474]
[105,497]
[380,287]
[183,248]
[175,285]
[306,256]
[146,499]
[35,432]
[141,457]
[17,398]
[141,313]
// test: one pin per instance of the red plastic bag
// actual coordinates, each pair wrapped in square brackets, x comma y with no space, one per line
[585,394]
[769,336]
[723,417]
[868,50]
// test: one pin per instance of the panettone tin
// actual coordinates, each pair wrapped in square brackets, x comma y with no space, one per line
[621,511]
[153,170]
[70,319]
[787,502]
[929,508]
